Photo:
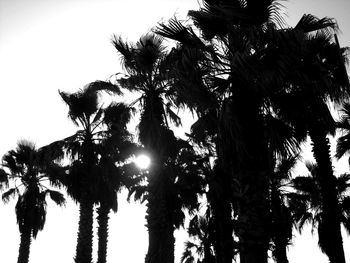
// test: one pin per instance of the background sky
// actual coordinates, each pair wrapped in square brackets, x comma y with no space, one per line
[49,45]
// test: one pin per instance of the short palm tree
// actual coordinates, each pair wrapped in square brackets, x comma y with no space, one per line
[81,179]
[28,169]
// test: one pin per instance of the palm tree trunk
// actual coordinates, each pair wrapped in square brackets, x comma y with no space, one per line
[85,234]
[251,169]
[159,223]
[24,247]
[223,236]
[281,229]
[280,251]
[330,238]
[220,204]
[102,233]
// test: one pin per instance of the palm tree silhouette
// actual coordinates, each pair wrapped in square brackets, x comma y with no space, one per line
[146,66]
[251,64]
[320,81]
[116,147]
[307,204]
[81,179]
[242,67]
[28,168]
[183,185]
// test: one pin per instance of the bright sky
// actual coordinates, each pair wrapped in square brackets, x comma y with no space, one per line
[46,45]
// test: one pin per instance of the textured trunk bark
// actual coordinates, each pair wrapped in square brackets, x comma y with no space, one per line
[331,239]
[24,247]
[251,168]
[85,234]
[159,224]
[224,233]
[280,252]
[220,204]
[85,229]
[102,219]
[154,136]
[281,229]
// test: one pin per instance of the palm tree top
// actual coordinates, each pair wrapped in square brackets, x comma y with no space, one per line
[142,56]
[27,165]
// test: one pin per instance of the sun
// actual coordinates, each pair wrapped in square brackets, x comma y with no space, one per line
[142,161]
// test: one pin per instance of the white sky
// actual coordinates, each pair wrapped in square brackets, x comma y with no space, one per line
[50,45]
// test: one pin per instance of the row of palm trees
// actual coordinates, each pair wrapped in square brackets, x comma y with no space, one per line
[258,89]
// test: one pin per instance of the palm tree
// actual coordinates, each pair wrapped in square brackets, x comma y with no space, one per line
[146,69]
[182,186]
[320,80]
[116,147]
[240,73]
[251,65]
[28,169]
[82,148]
[307,204]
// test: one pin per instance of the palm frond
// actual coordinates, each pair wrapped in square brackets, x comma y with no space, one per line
[284,168]
[345,208]
[57,197]
[309,23]
[114,205]
[9,194]
[126,51]
[97,118]
[82,105]
[133,82]
[139,192]
[105,86]
[305,185]
[174,118]
[282,137]
[3,179]
[343,142]
[177,31]
[305,218]
[187,256]
[343,183]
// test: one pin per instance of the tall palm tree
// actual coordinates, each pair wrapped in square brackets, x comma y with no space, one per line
[146,69]
[82,177]
[237,42]
[307,204]
[320,80]
[28,169]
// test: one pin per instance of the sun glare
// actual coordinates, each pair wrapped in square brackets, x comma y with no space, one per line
[142,161]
